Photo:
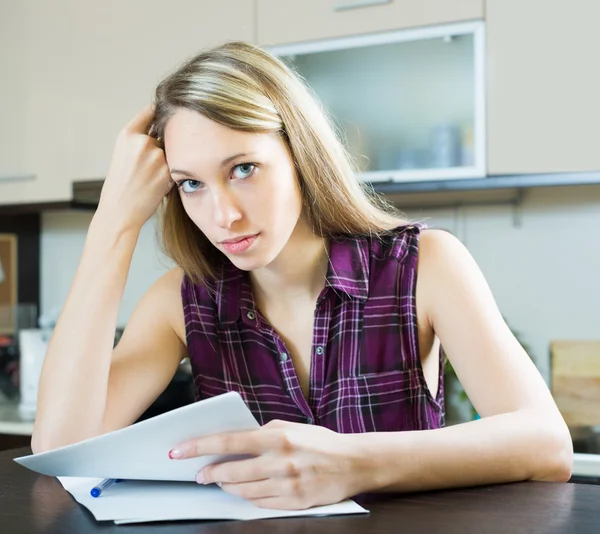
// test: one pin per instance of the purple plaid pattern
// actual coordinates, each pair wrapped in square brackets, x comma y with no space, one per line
[365,371]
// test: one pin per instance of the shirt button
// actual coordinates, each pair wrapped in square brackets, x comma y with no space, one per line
[283,357]
[251,315]
[309,420]
[319,350]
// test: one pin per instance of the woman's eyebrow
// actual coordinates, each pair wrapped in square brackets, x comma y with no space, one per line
[223,163]
[184,173]
[236,156]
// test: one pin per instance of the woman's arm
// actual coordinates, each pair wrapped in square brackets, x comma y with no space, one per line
[72,397]
[521,434]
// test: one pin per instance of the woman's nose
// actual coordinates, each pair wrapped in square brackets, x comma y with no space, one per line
[226,210]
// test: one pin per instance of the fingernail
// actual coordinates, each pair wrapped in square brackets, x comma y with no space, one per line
[175,453]
[200,478]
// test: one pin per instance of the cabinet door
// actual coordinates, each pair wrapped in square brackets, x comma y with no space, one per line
[543,99]
[122,49]
[12,105]
[287,21]
[35,45]
[421,93]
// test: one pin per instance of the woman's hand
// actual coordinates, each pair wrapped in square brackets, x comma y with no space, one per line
[138,178]
[294,466]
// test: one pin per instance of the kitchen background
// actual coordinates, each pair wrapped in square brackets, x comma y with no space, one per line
[430,93]
[544,274]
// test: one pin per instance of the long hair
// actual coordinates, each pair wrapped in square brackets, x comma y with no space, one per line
[241,86]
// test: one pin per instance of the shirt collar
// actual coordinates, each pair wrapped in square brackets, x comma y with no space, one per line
[349,266]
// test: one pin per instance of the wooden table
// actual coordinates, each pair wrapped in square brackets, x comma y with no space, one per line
[36,504]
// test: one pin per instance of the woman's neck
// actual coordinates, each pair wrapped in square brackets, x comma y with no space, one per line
[297,274]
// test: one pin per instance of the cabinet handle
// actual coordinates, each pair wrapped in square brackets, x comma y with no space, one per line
[346,6]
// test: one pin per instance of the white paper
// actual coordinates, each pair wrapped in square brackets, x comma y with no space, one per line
[157,488]
[141,451]
[142,501]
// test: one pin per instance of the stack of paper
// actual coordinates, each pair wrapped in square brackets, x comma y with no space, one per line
[138,501]
[157,488]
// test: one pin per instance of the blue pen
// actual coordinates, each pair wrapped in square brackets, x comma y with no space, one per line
[96,491]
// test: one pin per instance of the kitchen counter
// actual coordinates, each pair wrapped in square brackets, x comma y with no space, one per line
[588,466]
[11,421]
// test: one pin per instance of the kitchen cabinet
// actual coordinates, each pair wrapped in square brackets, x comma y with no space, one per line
[543,104]
[123,49]
[35,139]
[288,21]
[12,106]
[80,70]
[409,104]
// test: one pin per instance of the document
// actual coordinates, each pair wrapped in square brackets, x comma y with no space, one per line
[154,487]
[141,451]
[135,501]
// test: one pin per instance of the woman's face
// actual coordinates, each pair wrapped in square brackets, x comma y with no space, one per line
[239,188]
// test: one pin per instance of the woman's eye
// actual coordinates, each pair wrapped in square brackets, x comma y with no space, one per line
[190,186]
[245,170]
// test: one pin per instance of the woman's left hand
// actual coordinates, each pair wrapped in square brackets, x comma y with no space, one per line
[293,466]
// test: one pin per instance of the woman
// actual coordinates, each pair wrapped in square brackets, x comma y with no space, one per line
[325,309]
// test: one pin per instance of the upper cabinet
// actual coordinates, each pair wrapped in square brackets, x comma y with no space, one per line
[421,89]
[288,21]
[79,71]
[12,105]
[543,86]
[123,49]
[35,50]
[410,104]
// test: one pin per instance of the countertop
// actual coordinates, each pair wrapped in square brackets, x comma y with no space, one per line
[586,465]
[11,421]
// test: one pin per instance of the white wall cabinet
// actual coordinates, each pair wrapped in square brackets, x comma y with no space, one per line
[36,69]
[12,103]
[410,103]
[289,21]
[543,80]
[75,72]
[80,70]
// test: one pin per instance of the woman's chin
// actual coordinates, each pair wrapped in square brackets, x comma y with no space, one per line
[248,263]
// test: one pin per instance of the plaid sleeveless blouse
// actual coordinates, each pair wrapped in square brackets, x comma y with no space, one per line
[365,370]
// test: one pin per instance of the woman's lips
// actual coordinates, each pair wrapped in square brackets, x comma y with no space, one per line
[239,246]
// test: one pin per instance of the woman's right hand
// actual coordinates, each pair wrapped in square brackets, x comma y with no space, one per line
[138,178]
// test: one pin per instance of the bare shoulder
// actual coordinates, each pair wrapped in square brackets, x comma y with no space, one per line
[167,288]
[164,298]
[442,254]
[437,250]
[435,244]
[446,268]
[171,279]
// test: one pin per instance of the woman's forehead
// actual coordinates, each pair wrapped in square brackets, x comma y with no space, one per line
[191,139]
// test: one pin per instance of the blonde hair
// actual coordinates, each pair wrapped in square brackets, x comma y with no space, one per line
[245,88]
